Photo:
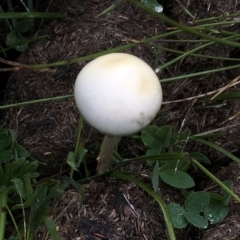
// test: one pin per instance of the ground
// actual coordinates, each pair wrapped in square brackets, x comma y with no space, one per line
[113,209]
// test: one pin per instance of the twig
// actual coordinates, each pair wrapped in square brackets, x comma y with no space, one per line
[229,119]
[130,205]
[232,83]
[217,91]
[216,130]
[11,62]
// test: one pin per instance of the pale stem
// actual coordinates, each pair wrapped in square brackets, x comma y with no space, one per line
[106,153]
[3,210]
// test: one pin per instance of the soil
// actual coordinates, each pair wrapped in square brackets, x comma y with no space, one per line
[114,209]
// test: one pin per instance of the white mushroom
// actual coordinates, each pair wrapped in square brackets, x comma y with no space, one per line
[118,94]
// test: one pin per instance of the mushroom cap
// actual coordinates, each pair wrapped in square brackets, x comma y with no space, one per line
[118,94]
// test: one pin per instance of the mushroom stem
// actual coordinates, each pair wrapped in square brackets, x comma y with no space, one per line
[106,152]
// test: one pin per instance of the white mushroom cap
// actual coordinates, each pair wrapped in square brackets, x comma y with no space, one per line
[118,94]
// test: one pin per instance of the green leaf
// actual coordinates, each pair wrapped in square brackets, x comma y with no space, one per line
[23,45]
[62,188]
[197,202]
[227,196]
[81,156]
[17,40]
[153,151]
[181,164]
[153,5]
[16,169]
[76,185]
[24,167]
[38,212]
[12,38]
[164,135]
[216,196]
[216,211]
[21,151]
[216,147]
[149,138]
[51,227]
[199,157]
[5,140]
[170,156]
[3,131]
[196,220]
[163,157]
[29,201]
[177,179]
[156,139]
[41,208]
[28,185]
[177,215]
[13,134]
[6,156]
[24,25]
[71,160]
[155,177]
[72,182]
[20,187]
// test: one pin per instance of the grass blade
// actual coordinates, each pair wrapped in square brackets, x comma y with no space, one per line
[220,149]
[15,15]
[51,227]
[216,180]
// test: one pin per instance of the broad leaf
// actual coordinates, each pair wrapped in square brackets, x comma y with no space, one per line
[51,227]
[6,156]
[227,196]
[216,211]
[181,164]
[21,151]
[164,135]
[155,177]
[199,157]
[17,40]
[197,202]
[153,5]
[177,215]
[156,138]
[13,134]
[12,38]
[40,208]
[20,187]
[81,156]
[196,220]
[154,151]
[177,179]
[24,25]
[5,139]
[148,136]
[72,182]
[71,161]
[16,169]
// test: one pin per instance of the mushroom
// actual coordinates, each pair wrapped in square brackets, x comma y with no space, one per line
[118,94]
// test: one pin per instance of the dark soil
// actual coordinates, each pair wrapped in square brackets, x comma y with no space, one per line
[114,209]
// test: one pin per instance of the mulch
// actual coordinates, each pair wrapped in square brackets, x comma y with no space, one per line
[113,209]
